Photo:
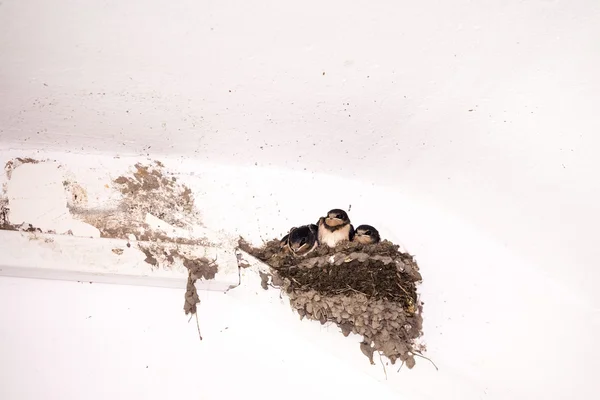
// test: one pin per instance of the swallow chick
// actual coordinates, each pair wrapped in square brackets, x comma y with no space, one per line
[301,240]
[366,234]
[335,228]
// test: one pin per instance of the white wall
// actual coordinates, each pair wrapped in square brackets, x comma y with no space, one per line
[467,130]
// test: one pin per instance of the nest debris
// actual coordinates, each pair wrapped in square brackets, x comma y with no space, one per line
[366,289]
[197,269]
[201,268]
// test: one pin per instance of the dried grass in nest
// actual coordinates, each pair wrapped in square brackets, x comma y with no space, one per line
[370,290]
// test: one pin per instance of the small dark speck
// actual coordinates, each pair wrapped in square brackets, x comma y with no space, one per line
[470,110]
[128,244]
[90,282]
[563,165]
[323,72]
[230,91]
[45,84]
[146,367]
[255,163]
[89,317]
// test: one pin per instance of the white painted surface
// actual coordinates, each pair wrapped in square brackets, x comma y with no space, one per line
[117,261]
[36,196]
[499,203]
[71,249]
[120,342]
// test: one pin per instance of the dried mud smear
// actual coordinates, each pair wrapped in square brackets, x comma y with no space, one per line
[4,222]
[149,190]
[198,269]
[370,290]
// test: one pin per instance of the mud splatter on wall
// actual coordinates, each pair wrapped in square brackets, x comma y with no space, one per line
[148,206]
[149,194]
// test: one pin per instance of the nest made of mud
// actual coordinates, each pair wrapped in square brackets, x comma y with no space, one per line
[370,290]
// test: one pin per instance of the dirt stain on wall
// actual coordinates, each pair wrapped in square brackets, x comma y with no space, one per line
[4,222]
[148,190]
[14,163]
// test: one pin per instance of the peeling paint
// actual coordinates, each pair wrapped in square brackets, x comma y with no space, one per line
[127,220]
[152,205]
[153,209]
[35,196]
[16,162]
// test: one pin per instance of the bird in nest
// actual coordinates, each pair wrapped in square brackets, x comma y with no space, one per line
[335,228]
[302,240]
[366,234]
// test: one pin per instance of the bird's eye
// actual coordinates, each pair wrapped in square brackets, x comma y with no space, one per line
[302,242]
[368,233]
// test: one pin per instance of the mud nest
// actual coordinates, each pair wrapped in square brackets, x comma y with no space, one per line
[370,290]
